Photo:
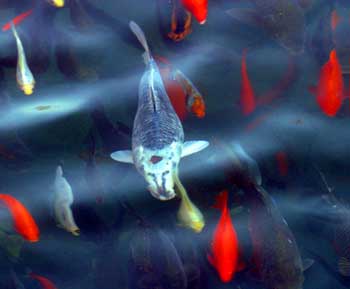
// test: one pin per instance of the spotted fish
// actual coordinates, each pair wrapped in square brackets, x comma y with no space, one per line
[158,136]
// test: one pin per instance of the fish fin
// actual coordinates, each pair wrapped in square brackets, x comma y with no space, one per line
[307,263]
[142,38]
[312,89]
[221,200]
[344,266]
[211,260]
[123,156]
[191,147]
[246,15]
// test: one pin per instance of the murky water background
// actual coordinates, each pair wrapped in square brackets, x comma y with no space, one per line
[210,57]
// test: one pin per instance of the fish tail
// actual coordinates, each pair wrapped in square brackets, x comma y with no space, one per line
[142,38]
[221,200]
[17,20]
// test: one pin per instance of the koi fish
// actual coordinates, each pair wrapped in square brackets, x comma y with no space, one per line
[283,20]
[330,89]
[63,199]
[44,282]
[180,25]
[188,215]
[56,3]
[23,221]
[154,261]
[247,93]
[24,76]
[18,19]
[225,251]
[198,8]
[158,136]
[183,94]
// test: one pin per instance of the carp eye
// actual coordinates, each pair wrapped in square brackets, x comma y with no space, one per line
[155,159]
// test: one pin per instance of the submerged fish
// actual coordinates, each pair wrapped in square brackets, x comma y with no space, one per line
[180,24]
[276,258]
[158,136]
[56,3]
[154,261]
[283,20]
[184,96]
[44,282]
[225,250]
[330,91]
[198,8]
[23,221]
[188,215]
[248,102]
[63,199]
[24,76]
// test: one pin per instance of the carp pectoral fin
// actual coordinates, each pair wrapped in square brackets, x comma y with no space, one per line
[122,156]
[191,147]
[247,16]
[307,263]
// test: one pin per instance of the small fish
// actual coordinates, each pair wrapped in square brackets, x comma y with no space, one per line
[180,25]
[283,20]
[188,215]
[24,76]
[225,251]
[182,93]
[330,91]
[56,3]
[44,282]
[198,8]
[158,136]
[282,163]
[63,199]
[17,20]
[248,102]
[154,261]
[23,221]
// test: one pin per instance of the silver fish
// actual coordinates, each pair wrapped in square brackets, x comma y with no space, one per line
[158,136]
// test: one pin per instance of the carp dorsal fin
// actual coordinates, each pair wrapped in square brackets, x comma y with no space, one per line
[124,156]
[191,147]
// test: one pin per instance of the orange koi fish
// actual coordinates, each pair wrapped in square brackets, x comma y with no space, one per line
[23,221]
[17,20]
[182,93]
[330,89]
[225,251]
[198,8]
[247,100]
[44,282]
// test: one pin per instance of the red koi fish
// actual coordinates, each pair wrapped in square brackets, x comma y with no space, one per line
[282,163]
[17,20]
[182,93]
[198,8]
[335,19]
[23,221]
[330,89]
[224,247]
[247,101]
[44,282]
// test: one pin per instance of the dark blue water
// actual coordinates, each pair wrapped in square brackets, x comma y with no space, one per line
[87,65]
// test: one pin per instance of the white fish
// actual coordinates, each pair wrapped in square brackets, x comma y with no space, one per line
[158,136]
[63,199]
